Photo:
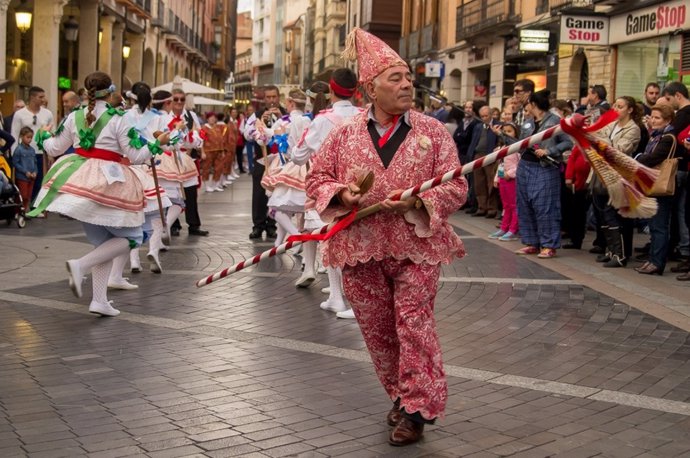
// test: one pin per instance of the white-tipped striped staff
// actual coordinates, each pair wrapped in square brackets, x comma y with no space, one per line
[576,121]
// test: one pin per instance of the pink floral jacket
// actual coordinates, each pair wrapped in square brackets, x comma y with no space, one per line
[421,235]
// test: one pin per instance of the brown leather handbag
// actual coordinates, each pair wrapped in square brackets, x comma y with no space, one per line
[665,185]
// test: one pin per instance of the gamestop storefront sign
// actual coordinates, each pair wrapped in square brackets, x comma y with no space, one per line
[584,30]
[650,22]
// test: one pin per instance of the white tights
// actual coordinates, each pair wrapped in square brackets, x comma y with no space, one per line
[285,226]
[100,262]
[173,213]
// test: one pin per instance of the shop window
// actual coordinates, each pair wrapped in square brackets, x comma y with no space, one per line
[685,58]
[641,62]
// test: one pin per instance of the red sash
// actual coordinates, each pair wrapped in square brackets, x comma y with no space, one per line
[98,153]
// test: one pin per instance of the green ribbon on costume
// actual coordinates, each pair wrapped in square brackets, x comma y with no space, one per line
[71,164]
[40,137]
[135,140]
[155,148]
[112,111]
[88,135]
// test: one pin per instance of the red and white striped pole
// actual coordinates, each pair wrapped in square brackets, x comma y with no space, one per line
[576,121]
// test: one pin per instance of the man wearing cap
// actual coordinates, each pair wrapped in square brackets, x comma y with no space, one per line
[391,260]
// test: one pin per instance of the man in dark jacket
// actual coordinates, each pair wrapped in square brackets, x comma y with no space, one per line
[463,139]
[483,142]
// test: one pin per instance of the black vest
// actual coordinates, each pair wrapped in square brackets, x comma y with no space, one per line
[388,150]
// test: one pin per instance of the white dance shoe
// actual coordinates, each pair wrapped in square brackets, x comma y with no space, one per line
[103,309]
[333,305]
[305,280]
[122,284]
[347,314]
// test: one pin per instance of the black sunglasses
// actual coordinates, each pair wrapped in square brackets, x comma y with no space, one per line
[35,119]
[177,99]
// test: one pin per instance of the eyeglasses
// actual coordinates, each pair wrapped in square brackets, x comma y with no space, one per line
[179,99]
[35,119]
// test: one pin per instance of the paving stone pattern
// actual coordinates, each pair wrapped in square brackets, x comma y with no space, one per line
[194,372]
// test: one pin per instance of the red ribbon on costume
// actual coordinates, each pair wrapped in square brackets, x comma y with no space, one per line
[389,132]
[340,91]
[98,153]
[203,134]
[172,125]
[339,226]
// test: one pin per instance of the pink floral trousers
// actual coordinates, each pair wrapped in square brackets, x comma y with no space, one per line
[393,301]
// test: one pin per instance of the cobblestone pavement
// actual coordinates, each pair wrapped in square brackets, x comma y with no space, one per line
[539,364]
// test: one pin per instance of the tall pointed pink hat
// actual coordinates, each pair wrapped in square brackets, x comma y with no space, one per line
[373,56]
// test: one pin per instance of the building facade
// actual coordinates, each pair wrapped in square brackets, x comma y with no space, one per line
[131,40]
[483,46]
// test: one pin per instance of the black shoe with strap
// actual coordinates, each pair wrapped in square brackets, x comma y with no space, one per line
[255,234]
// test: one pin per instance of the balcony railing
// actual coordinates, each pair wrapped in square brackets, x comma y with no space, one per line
[560,4]
[331,60]
[429,41]
[413,44]
[477,16]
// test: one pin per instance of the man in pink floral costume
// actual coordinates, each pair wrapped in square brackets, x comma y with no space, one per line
[391,260]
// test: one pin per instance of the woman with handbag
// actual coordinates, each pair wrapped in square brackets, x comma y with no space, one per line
[660,153]
[623,135]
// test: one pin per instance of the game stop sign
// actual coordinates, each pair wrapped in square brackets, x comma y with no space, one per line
[649,22]
[584,30]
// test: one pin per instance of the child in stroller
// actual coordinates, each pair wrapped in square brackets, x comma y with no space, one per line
[11,208]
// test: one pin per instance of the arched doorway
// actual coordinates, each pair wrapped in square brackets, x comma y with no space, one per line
[584,78]
[453,85]
[149,66]
[579,71]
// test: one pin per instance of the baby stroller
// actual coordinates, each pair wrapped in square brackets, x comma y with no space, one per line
[11,208]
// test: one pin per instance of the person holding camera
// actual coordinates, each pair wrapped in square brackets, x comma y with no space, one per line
[271,113]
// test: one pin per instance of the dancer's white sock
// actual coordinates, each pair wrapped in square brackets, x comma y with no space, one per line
[134,260]
[99,277]
[280,235]
[335,282]
[309,257]
[156,237]
[173,213]
[118,264]
[285,220]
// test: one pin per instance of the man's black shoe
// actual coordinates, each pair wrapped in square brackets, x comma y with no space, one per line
[271,233]
[255,234]
[175,231]
[197,231]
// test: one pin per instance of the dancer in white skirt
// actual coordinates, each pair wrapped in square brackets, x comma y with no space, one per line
[94,187]
[284,180]
[177,169]
[146,126]
[342,87]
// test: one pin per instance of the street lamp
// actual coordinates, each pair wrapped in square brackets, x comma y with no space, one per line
[22,16]
[126,49]
[71,29]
